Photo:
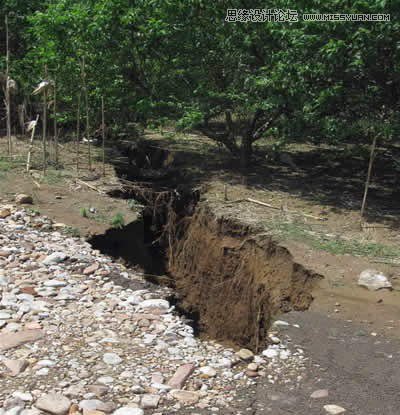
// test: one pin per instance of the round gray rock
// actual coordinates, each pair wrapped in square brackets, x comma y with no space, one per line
[54,403]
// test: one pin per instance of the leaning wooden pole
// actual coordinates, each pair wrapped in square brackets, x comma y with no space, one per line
[28,159]
[103,136]
[7,90]
[78,132]
[368,179]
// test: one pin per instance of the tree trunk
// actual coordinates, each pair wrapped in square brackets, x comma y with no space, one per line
[246,151]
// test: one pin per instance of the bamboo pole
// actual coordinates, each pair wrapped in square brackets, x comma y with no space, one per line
[78,127]
[55,123]
[44,137]
[28,160]
[85,90]
[103,136]
[7,90]
[368,179]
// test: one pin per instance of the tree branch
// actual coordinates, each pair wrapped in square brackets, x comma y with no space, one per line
[256,135]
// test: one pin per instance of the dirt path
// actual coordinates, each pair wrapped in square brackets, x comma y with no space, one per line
[360,371]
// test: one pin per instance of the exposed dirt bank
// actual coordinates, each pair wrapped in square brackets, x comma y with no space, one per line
[235,280]
[229,279]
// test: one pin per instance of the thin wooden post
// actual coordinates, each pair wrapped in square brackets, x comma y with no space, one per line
[7,90]
[103,136]
[85,89]
[78,127]
[368,179]
[55,123]
[44,137]
[28,160]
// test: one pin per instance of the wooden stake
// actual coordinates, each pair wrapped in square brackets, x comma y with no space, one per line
[55,123]
[85,89]
[78,127]
[368,179]
[7,90]
[44,123]
[28,160]
[103,135]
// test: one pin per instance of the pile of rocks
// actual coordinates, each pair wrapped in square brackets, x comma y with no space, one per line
[73,340]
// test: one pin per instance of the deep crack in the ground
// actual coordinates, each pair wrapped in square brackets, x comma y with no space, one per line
[218,267]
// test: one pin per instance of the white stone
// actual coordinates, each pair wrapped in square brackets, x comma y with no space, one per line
[245,354]
[55,403]
[373,280]
[274,339]
[45,363]
[158,304]
[4,315]
[24,396]
[281,323]
[127,410]
[334,409]
[54,258]
[208,371]
[111,359]
[90,404]
[270,353]
[320,394]
[16,410]
[55,283]
[105,380]
[32,411]
[149,401]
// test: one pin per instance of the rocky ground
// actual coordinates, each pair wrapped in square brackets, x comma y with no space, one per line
[81,333]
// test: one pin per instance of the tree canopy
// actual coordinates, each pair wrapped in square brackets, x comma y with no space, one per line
[180,60]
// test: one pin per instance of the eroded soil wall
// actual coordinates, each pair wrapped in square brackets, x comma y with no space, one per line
[229,279]
[234,280]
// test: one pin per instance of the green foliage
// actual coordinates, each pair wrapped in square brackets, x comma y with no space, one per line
[191,118]
[34,211]
[84,212]
[53,177]
[118,221]
[157,60]
[5,164]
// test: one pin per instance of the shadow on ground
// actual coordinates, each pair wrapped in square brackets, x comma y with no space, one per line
[332,176]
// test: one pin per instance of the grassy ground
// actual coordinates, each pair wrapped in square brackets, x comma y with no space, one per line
[334,244]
